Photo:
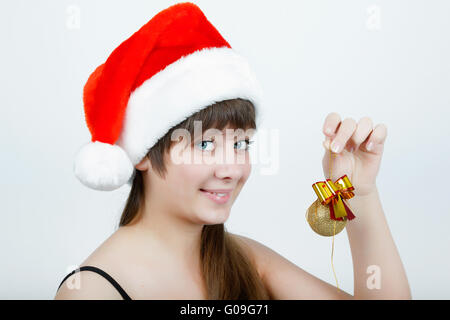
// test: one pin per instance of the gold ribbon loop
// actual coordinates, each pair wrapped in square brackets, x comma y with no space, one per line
[336,192]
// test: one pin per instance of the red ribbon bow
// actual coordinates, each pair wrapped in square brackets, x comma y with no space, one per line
[335,193]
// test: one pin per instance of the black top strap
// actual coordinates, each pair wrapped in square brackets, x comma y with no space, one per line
[122,292]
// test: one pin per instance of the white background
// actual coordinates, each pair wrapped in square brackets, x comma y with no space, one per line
[385,59]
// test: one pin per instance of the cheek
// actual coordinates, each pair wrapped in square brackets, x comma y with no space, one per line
[188,178]
[246,170]
[185,176]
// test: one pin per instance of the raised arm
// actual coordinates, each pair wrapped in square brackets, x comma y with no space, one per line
[357,150]
[377,268]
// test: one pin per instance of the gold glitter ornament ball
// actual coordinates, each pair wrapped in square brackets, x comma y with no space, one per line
[318,217]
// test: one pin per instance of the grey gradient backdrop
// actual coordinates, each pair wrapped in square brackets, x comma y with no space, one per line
[385,59]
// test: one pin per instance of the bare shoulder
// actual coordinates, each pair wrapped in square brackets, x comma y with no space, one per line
[284,279]
[86,285]
[256,250]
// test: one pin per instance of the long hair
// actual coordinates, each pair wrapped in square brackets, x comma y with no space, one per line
[229,273]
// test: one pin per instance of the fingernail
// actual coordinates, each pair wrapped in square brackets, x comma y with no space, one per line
[369,146]
[328,130]
[335,147]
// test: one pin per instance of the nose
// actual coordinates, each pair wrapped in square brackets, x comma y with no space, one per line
[229,171]
[229,165]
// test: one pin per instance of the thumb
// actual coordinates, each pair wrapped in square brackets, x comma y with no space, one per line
[336,162]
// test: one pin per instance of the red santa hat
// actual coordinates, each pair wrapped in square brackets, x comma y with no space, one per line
[172,67]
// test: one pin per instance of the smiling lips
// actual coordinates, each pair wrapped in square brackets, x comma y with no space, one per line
[219,196]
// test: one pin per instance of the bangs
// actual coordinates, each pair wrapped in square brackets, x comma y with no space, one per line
[234,113]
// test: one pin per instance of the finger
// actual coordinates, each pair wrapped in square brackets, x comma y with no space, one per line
[331,124]
[376,139]
[345,131]
[363,129]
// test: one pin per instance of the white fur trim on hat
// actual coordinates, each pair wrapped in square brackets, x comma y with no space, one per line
[184,87]
[102,166]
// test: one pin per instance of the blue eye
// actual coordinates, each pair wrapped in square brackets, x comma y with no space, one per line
[203,144]
[247,144]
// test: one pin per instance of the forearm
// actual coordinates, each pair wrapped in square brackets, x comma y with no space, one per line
[372,244]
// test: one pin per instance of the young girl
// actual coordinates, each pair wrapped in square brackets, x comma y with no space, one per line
[174,73]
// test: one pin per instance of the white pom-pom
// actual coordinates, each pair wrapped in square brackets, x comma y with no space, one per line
[102,166]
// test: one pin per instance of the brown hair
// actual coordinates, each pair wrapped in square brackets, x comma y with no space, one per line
[229,273]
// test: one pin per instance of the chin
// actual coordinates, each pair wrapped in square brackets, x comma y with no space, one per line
[214,216]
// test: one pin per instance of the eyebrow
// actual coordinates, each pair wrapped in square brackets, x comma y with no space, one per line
[203,135]
[235,136]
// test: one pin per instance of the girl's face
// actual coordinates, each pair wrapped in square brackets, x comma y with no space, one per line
[217,162]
